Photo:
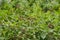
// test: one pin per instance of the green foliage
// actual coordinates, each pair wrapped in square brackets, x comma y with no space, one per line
[29,19]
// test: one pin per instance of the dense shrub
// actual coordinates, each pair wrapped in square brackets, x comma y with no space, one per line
[29,19]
